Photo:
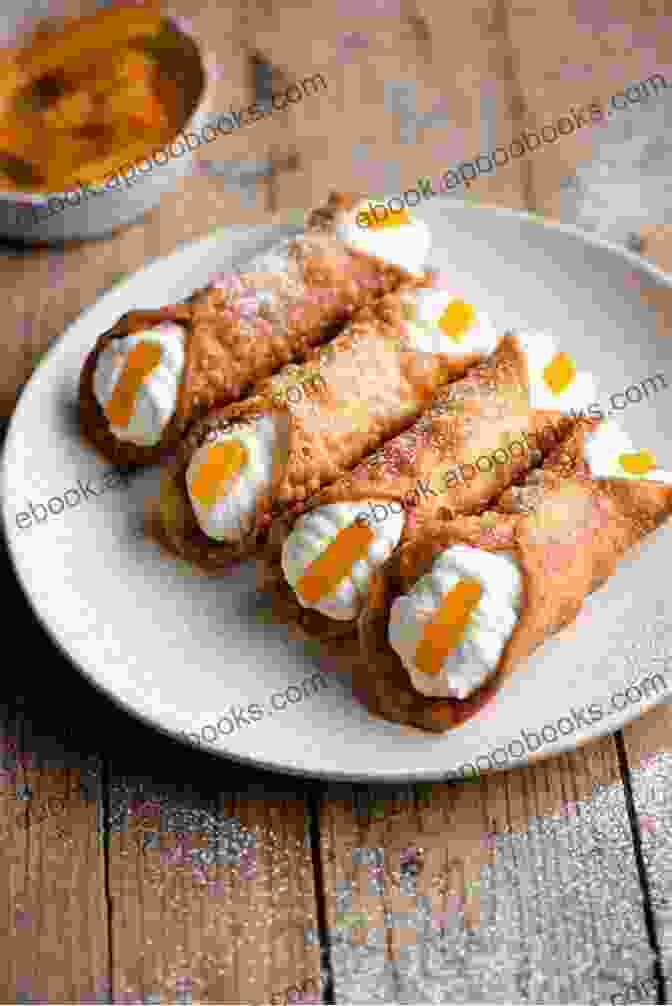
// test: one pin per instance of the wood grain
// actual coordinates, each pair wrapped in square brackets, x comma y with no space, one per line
[134,869]
[648,745]
[596,52]
[54,944]
[508,891]
[210,894]
[648,741]
[403,100]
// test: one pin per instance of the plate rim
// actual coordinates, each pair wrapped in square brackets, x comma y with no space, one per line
[205,244]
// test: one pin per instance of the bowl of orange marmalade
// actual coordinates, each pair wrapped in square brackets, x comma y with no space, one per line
[98,117]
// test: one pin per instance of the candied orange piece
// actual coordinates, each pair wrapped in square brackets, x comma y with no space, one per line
[560,372]
[637,464]
[444,631]
[140,362]
[394,218]
[324,574]
[149,113]
[457,319]
[222,461]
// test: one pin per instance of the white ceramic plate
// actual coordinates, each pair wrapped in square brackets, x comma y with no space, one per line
[179,649]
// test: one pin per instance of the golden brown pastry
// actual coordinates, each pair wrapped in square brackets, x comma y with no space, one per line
[306,426]
[457,609]
[478,436]
[154,373]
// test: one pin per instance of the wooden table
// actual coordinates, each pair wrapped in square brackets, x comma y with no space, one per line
[135,870]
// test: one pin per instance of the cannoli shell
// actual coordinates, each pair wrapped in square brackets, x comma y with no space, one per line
[229,349]
[361,389]
[466,421]
[566,529]
[92,420]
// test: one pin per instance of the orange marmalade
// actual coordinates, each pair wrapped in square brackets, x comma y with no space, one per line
[78,102]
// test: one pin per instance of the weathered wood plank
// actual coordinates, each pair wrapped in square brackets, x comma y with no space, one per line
[648,741]
[54,943]
[199,886]
[597,51]
[211,889]
[648,745]
[428,92]
[410,95]
[519,887]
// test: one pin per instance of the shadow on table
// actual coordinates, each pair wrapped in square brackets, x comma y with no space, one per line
[64,721]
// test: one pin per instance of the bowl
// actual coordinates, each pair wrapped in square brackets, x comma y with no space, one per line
[93,210]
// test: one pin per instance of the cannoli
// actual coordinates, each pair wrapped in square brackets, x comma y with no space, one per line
[479,435]
[462,604]
[304,427]
[155,372]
